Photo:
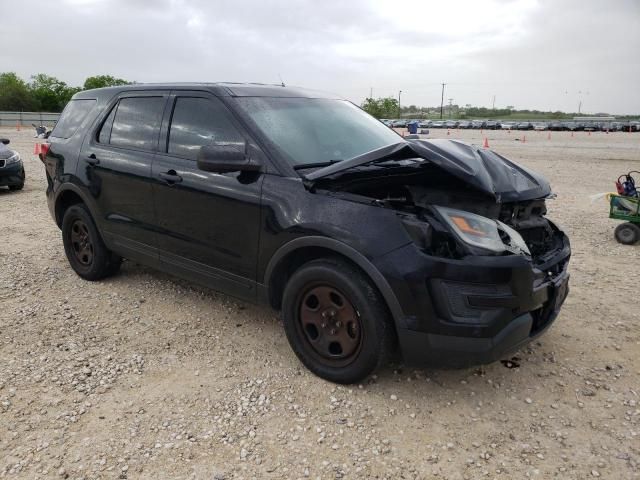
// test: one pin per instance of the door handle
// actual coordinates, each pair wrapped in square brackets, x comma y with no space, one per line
[92,159]
[170,177]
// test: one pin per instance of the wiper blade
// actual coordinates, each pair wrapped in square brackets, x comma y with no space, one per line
[303,166]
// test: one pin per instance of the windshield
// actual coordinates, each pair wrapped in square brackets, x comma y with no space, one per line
[311,130]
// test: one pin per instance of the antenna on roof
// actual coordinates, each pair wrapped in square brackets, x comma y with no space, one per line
[281,81]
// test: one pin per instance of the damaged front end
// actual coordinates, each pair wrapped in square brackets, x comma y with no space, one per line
[486,271]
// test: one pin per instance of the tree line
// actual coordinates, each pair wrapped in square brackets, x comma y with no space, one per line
[44,93]
[387,107]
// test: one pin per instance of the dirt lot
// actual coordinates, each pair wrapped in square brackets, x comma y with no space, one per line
[145,376]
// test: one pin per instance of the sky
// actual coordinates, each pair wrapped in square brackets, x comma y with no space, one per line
[536,54]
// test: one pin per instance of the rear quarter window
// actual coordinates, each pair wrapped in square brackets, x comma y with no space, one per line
[72,117]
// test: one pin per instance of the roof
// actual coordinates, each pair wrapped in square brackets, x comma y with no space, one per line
[219,89]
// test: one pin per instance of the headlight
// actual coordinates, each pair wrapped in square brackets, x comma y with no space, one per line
[483,232]
[13,159]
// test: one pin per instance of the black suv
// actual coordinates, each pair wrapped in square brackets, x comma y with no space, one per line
[368,243]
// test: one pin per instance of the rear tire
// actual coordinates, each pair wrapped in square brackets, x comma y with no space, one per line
[336,321]
[83,245]
[627,233]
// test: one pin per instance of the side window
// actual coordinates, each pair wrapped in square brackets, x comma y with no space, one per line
[137,122]
[105,130]
[72,117]
[197,122]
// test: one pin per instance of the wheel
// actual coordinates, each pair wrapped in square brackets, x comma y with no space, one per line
[336,321]
[20,186]
[627,233]
[83,245]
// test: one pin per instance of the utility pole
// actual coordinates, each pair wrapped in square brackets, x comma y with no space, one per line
[442,101]
[399,93]
[493,103]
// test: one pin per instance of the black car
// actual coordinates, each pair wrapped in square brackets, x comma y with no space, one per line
[558,126]
[11,167]
[491,125]
[365,241]
[525,126]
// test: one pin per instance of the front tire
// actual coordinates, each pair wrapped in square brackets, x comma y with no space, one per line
[83,245]
[336,321]
[627,233]
[20,186]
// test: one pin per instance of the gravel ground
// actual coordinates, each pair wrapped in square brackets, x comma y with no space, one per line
[146,376]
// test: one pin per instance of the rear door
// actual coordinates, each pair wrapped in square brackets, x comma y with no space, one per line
[116,162]
[208,222]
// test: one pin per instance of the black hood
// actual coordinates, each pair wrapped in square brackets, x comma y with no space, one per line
[479,167]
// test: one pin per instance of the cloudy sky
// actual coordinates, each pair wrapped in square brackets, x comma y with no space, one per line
[544,54]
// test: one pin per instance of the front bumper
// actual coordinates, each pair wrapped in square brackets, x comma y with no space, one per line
[11,175]
[459,313]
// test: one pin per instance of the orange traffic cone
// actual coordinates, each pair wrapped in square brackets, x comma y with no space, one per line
[524,139]
[486,143]
[18,126]
[448,133]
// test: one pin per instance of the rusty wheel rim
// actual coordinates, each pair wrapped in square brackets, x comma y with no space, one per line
[330,325]
[81,242]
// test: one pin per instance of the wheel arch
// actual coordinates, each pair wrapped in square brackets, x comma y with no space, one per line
[67,196]
[297,252]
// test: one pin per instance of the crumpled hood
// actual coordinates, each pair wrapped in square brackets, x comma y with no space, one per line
[482,168]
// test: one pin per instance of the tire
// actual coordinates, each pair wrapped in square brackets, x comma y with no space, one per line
[20,186]
[83,245]
[336,321]
[627,233]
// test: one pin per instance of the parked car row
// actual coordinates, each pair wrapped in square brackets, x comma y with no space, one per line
[633,126]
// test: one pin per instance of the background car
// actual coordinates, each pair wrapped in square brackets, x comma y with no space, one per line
[478,124]
[464,124]
[558,126]
[11,168]
[508,125]
[525,126]
[437,124]
[451,124]
[540,126]
[491,125]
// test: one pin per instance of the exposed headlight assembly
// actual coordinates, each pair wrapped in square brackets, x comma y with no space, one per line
[13,159]
[483,232]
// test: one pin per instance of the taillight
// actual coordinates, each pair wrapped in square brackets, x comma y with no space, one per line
[41,149]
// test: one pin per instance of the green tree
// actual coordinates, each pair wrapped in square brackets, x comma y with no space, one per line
[100,81]
[50,93]
[15,94]
[381,107]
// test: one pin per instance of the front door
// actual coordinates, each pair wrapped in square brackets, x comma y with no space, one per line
[208,223]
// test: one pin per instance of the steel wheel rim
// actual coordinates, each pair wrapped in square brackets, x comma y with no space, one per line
[81,242]
[330,325]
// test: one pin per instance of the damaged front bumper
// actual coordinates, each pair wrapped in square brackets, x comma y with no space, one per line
[476,310]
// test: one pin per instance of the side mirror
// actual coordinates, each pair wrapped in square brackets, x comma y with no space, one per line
[226,157]
[4,140]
